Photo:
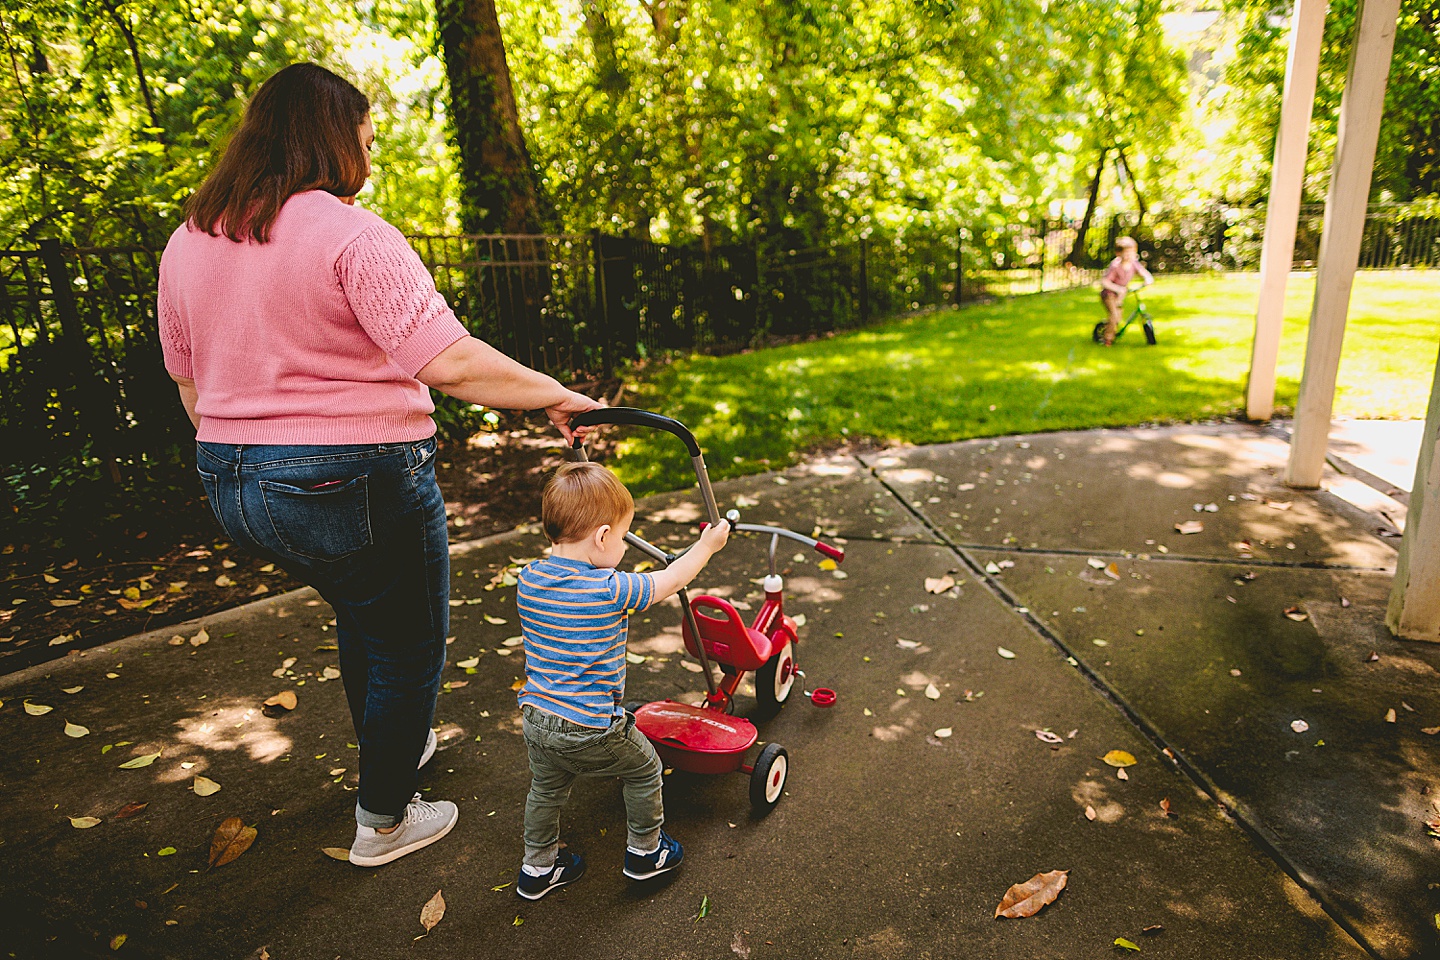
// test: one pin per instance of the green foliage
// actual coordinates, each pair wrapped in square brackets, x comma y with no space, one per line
[1407,161]
[1024,365]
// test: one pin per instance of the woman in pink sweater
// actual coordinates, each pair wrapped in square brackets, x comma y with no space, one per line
[304,334]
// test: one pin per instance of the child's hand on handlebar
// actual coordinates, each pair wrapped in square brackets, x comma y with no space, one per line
[714,537]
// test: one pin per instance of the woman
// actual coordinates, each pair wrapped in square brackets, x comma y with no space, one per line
[303,333]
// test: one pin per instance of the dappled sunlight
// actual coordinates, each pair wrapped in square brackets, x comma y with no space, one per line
[1090,793]
[233,725]
[670,640]
[812,589]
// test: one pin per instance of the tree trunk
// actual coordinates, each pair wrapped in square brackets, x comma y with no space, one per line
[499,193]
[1077,251]
[1134,186]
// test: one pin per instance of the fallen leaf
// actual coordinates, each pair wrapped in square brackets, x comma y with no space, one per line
[1234,672]
[72,689]
[1124,944]
[1389,716]
[200,638]
[129,810]
[118,941]
[991,567]
[512,641]
[456,684]
[51,579]
[1299,726]
[1119,758]
[1121,774]
[138,762]
[1189,526]
[1278,504]
[1430,731]
[521,682]
[204,786]
[939,584]
[284,700]
[63,603]
[61,638]
[1113,571]
[1373,657]
[331,673]
[704,908]
[1090,813]
[1153,928]
[944,733]
[224,581]
[433,912]
[1344,602]
[1165,806]
[231,839]
[1296,614]
[502,886]
[77,731]
[37,709]
[84,823]
[497,621]
[1045,736]
[1096,563]
[828,564]
[1026,899]
[468,664]
[337,853]
[932,692]
[177,641]
[1007,654]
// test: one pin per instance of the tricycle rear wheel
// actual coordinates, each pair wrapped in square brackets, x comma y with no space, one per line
[776,678]
[767,779]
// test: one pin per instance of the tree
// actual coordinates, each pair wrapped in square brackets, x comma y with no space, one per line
[498,189]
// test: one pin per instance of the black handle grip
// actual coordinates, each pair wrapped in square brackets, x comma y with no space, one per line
[635,417]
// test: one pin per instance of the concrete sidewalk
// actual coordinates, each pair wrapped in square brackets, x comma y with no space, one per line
[891,842]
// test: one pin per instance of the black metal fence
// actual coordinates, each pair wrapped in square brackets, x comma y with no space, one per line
[83,391]
[1014,259]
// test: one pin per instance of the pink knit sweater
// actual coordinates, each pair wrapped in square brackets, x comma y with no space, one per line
[314,337]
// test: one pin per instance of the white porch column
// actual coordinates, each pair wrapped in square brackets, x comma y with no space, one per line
[1360,110]
[1414,611]
[1282,211]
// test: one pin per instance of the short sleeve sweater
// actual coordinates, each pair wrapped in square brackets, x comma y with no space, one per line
[313,337]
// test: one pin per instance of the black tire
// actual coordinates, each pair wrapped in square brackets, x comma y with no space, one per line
[771,691]
[1149,332]
[767,779]
[1098,334]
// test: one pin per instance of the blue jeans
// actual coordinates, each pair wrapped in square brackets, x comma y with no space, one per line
[365,526]
[560,751]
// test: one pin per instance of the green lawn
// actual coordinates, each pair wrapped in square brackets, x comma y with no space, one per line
[1023,365]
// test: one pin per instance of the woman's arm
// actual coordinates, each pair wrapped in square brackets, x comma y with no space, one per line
[473,371]
[188,396]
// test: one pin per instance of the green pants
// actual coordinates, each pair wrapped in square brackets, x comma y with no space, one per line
[560,751]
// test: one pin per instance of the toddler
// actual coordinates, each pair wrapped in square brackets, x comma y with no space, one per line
[574,612]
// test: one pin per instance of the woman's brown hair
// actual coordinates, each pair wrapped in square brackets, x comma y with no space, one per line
[298,133]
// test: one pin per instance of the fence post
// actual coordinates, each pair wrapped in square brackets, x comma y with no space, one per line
[864,282]
[959,266]
[1044,241]
[602,307]
[76,351]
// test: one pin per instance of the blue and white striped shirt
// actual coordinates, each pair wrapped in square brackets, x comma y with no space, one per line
[574,617]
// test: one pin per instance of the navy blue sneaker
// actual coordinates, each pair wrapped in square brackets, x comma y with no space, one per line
[568,868]
[643,866]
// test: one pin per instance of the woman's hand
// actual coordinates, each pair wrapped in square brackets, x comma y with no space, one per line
[569,406]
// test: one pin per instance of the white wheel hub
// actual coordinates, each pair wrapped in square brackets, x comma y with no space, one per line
[775,778]
[784,672]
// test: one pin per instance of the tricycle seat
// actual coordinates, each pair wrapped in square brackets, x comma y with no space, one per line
[727,640]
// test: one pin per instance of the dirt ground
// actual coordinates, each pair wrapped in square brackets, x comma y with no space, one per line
[152,571]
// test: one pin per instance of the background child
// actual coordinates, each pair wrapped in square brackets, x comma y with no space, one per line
[574,613]
[1115,283]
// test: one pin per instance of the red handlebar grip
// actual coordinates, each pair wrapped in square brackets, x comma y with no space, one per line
[834,553]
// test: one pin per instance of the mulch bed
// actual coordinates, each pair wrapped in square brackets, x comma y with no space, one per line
[145,573]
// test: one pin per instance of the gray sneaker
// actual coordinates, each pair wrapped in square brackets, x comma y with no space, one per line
[424,823]
[429,751]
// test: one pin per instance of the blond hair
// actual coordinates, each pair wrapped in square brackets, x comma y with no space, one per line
[581,497]
[1127,243]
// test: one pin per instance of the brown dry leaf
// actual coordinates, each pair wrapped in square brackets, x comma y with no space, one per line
[200,638]
[231,839]
[1121,774]
[1090,813]
[1112,571]
[1430,731]
[336,853]
[51,579]
[285,700]
[1390,715]
[130,809]
[521,682]
[1296,614]
[1189,526]
[939,584]
[1026,899]
[224,581]
[63,603]
[433,912]
[1048,737]
[1165,806]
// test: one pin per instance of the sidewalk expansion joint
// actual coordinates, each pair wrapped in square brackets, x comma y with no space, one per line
[1231,806]
[1171,557]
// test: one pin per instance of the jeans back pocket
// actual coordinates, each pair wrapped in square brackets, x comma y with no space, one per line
[320,524]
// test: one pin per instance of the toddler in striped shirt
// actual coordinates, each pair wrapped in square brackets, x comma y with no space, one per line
[574,613]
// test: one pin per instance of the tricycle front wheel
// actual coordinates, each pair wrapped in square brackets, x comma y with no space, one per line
[767,779]
[776,678]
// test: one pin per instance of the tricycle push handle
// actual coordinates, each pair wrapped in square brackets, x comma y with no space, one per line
[635,417]
[834,553]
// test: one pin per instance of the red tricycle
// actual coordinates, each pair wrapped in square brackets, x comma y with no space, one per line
[705,738]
